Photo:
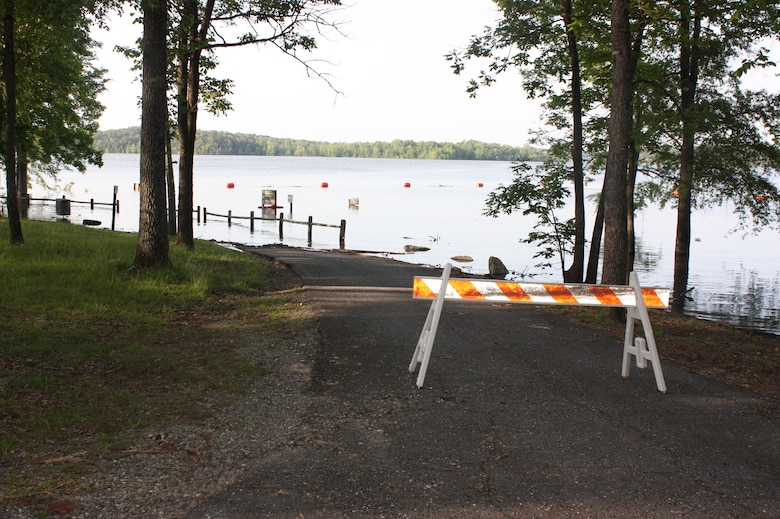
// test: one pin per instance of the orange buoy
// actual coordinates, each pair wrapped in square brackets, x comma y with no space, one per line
[407,184]
[231,185]
[324,184]
[479,184]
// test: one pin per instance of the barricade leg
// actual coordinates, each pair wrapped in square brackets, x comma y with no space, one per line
[642,349]
[422,353]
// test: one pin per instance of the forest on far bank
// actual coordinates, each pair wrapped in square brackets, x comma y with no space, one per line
[128,140]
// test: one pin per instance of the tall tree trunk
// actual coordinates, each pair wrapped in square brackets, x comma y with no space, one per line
[690,31]
[171,184]
[189,26]
[152,249]
[9,79]
[195,28]
[633,167]
[574,273]
[23,196]
[595,244]
[614,192]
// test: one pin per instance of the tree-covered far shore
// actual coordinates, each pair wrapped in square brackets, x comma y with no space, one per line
[127,140]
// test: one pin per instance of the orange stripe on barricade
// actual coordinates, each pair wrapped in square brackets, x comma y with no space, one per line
[561,294]
[422,290]
[514,292]
[651,298]
[466,289]
[604,294]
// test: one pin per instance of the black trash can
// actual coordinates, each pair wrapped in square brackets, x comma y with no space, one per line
[62,206]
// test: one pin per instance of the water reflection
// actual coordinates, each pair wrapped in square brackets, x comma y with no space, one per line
[647,258]
[745,299]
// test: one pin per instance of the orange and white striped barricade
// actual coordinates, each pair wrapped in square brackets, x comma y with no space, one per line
[633,297]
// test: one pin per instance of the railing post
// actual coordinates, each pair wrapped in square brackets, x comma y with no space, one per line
[198,217]
[91,204]
[281,222]
[204,214]
[230,216]
[114,208]
[251,221]
[342,234]
[311,220]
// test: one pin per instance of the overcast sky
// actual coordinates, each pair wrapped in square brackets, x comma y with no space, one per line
[390,67]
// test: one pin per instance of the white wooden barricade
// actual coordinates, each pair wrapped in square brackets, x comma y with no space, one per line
[633,297]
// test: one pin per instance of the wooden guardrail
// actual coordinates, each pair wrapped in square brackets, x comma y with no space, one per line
[310,223]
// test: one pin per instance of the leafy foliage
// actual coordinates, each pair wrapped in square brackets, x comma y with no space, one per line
[540,192]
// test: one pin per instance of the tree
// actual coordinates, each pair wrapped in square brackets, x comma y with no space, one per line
[718,143]
[615,263]
[50,109]
[545,41]
[152,249]
[9,82]
[205,26]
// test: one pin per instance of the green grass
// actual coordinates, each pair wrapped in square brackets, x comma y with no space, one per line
[92,350]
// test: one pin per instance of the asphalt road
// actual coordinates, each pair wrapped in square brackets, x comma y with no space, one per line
[523,414]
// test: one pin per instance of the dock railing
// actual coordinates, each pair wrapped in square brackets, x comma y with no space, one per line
[203,215]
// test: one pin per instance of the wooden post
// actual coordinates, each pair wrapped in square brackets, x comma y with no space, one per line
[204,214]
[342,234]
[114,209]
[198,217]
[281,230]
[91,204]
[230,216]
[311,220]
[251,221]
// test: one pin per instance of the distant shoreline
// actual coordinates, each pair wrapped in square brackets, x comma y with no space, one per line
[127,140]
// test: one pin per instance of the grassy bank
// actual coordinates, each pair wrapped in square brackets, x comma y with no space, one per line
[92,352]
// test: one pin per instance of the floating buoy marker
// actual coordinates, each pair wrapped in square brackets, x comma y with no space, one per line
[479,184]
[324,184]
[407,184]
[231,185]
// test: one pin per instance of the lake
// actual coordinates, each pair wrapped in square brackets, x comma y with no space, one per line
[439,205]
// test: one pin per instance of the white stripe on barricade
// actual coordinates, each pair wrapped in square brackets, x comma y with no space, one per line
[633,297]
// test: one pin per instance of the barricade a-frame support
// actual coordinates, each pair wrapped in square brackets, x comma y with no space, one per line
[422,353]
[642,348]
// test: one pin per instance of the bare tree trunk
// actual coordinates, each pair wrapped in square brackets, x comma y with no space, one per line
[23,197]
[689,72]
[595,244]
[9,79]
[633,166]
[614,192]
[152,249]
[574,273]
[185,232]
[188,94]
[171,183]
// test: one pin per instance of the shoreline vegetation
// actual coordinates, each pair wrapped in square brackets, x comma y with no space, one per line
[97,358]
[128,140]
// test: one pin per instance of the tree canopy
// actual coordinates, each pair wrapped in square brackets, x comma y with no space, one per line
[225,143]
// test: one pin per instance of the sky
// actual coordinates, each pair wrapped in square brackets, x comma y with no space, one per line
[389,67]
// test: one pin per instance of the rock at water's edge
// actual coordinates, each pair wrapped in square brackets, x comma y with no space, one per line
[462,259]
[496,268]
[415,248]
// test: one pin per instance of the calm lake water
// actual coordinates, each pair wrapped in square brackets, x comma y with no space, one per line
[735,278]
